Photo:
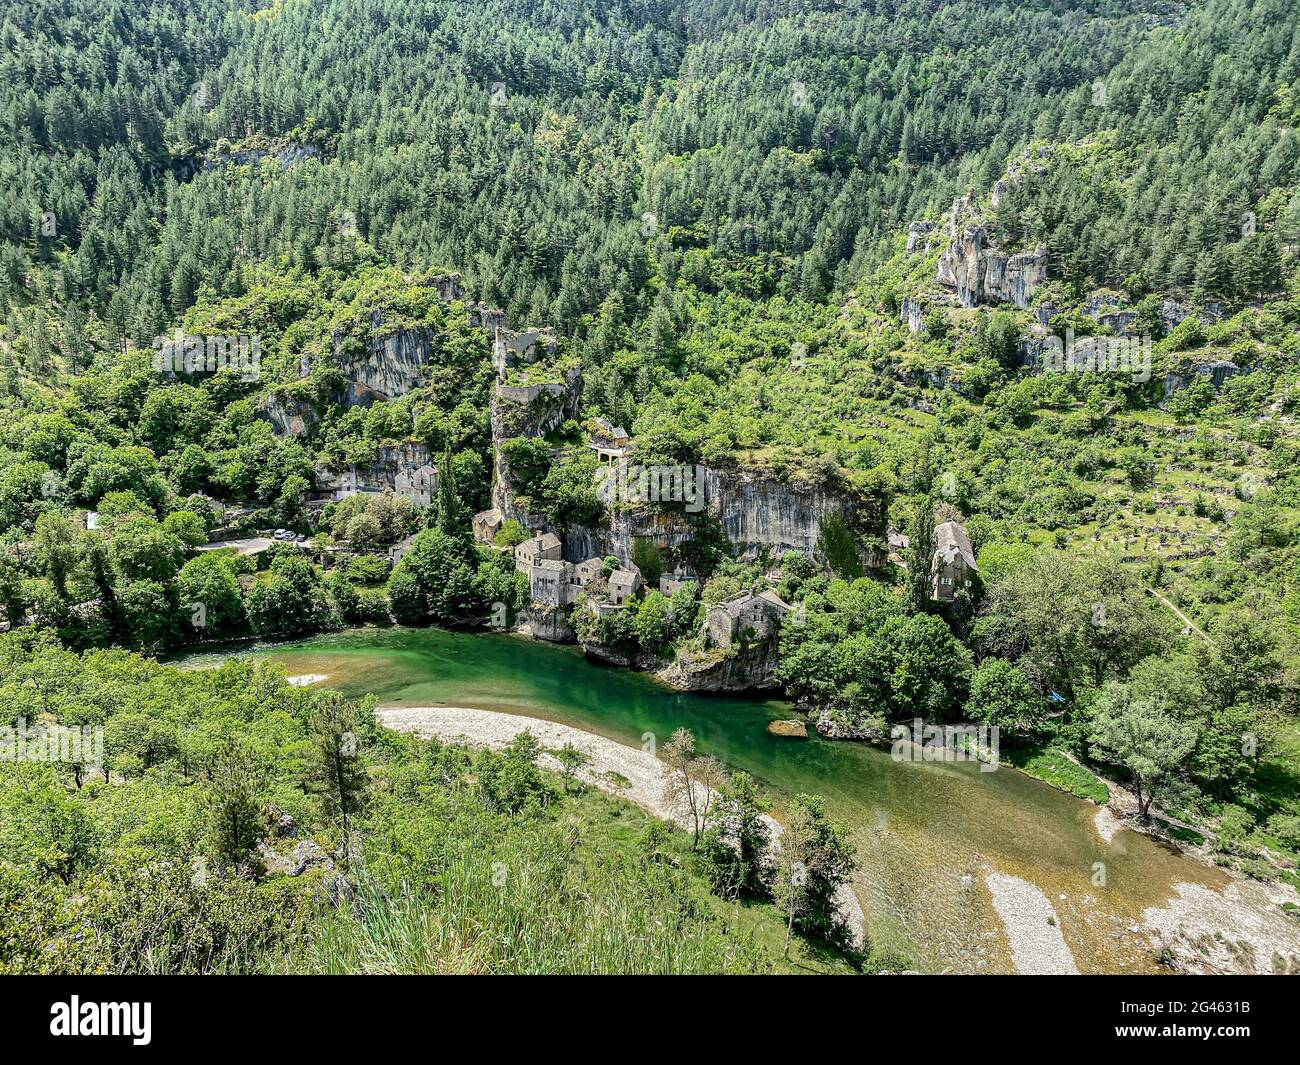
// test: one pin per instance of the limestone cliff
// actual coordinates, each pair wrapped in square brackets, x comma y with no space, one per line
[389,361]
[981,273]
[288,414]
[1185,373]
[545,623]
[388,364]
[757,509]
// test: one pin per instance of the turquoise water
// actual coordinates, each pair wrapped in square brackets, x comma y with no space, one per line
[926,833]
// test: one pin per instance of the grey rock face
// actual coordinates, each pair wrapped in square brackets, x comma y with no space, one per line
[757,510]
[305,855]
[753,668]
[389,365]
[1218,372]
[285,157]
[1119,322]
[981,274]
[551,625]
[289,416]
[909,313]
[391,362]
[918,234]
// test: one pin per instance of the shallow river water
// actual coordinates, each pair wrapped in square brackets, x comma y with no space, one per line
[926,833]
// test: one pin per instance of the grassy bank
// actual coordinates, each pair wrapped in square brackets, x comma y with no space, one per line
[596,887]
[1055,767]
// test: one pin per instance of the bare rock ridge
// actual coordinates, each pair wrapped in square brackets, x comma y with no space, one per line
[390,361]
[981,273]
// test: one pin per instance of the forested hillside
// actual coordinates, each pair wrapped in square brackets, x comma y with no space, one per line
[828,246]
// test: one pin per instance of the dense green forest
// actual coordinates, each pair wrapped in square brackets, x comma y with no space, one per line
[732,215]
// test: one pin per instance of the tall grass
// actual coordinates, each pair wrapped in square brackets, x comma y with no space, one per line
[536,899]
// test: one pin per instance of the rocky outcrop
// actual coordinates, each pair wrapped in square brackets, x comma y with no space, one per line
[1172,313]
[918,235]
[545,623]
[536,409]
[744,669]
[909,313]
[289,415]
[389,361]
[981,273]
[835,726]
[610,657]
[1185,373]
[758,511]
[285,156]
[388,364]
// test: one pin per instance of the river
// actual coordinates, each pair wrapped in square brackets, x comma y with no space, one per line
[926,833]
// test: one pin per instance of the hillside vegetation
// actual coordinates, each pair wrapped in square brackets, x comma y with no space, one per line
[735,218]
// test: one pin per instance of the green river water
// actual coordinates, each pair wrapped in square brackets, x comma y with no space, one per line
[926,833]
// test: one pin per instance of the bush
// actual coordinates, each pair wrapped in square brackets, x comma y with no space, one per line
[1286,828]
[1235,827]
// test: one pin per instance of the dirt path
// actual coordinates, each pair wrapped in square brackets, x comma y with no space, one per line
[1181,616]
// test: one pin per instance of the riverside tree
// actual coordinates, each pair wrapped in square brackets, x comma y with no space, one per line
[1142,736]
[736,844]
[571,760]
[814,857]
[693,781]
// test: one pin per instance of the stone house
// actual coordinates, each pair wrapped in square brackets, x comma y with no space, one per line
[546,581]
[746,617]
[532,551]
[557,583]
[623,584]
[581,574]
[671,582]
[486,524]
[610,442]
[953,568]
[398,551]
[419,484]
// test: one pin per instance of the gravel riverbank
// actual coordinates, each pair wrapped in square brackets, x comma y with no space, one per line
[1037,945]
